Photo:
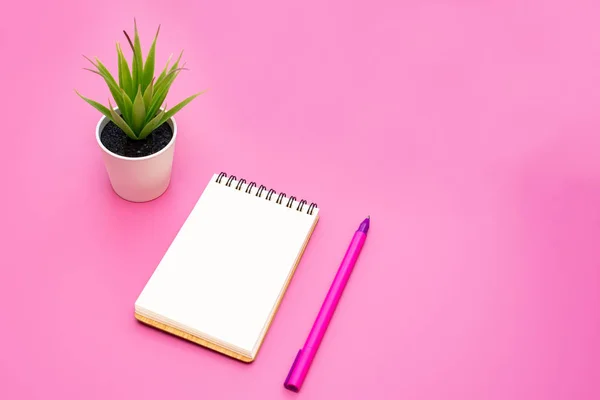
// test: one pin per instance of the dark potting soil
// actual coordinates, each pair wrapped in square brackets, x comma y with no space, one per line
[116,141]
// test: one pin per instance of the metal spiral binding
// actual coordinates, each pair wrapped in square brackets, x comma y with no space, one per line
[280,197]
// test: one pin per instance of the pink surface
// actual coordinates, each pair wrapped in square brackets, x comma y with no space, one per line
[468,130]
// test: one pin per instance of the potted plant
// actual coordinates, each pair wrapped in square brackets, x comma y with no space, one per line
[137,135]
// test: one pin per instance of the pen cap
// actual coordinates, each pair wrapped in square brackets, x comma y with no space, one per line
[297,373]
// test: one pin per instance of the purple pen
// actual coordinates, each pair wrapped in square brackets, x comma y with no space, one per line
[305,356]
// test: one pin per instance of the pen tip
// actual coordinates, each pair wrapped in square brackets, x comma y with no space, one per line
[364,226]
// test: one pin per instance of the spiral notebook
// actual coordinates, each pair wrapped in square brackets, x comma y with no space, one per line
[222,279]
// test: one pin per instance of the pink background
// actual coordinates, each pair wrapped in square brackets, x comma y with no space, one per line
[469,130]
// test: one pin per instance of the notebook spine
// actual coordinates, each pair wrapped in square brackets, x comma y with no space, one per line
[238,184]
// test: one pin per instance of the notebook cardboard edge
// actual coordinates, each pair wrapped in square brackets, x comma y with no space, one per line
[220,349]
[192,338]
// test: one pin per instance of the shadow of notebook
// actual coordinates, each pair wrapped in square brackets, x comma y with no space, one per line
[222,279]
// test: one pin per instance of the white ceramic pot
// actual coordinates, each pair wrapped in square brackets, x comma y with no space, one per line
[139,179]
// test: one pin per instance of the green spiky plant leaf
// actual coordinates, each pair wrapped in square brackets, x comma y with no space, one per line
[137,93]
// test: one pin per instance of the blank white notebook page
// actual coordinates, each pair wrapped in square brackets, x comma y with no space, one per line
[225,270]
